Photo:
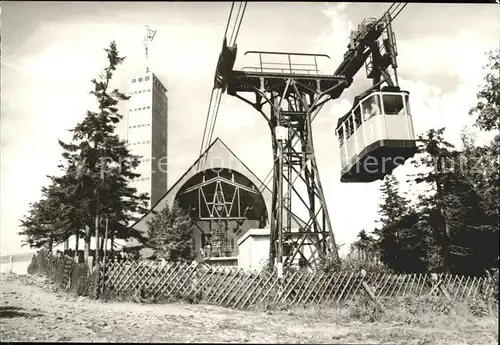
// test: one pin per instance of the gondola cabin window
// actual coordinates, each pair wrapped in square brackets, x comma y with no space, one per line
[357,117]
[350,127]
[371,107]
[340,135]
[393,104]
[407,104]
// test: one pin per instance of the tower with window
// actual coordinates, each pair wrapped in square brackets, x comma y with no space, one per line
[146,133]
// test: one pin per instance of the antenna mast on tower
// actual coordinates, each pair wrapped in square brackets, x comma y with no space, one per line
[150,34]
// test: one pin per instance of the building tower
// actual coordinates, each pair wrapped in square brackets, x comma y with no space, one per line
[146,130]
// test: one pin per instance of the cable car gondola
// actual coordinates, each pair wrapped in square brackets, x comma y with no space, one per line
[376,135]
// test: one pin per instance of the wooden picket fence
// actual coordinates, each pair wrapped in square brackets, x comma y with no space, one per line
[238,288]
[65,273]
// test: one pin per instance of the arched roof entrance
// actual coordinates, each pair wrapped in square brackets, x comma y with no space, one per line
[224,204]
[221,194]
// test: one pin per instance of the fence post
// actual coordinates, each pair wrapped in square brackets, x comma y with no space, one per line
[11,263]
[280,280]
[367,288]
[437,284]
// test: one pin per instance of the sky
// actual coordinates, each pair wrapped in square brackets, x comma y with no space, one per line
[49,57]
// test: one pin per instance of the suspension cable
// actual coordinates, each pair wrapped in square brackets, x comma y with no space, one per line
[214,120]
[392,12]
[235,23]
[214,92]
[239,21]
[229,19]
[206,124]
[216,95]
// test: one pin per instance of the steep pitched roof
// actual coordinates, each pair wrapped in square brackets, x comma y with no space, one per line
[217,155]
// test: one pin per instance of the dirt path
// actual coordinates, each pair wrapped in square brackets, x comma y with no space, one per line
[31,311]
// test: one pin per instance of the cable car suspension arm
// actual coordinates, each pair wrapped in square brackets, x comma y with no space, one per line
[364,40]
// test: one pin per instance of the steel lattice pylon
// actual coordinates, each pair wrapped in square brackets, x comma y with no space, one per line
[289,98]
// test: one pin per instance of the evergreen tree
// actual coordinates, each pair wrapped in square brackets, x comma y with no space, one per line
[478,168]
[491,185]
[487,109]
[394,206]
[438,157]
[474,240]
[391,211]
[456,211]
[365,241]
[487,112]
[76,209]
[476,186]
[401,242]
[454,228]
[480,187]
[37,233]
[98,168]
[45,225]
[105,164]
[170,234]
[365,244]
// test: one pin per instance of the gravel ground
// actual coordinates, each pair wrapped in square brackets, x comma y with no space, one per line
[31,310]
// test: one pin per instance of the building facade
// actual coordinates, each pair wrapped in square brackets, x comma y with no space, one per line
[146,133]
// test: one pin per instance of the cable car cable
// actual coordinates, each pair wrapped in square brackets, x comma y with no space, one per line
[239,23]
[218,96]
[235,23]
[239,20]
[229,19]
[214,120]
[206,130]
[389,15]
[206,123]
[213,90]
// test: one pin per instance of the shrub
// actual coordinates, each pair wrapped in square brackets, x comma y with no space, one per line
[366,310]
[356,265]
[266,266]
[33,266]
[193,298]
[438,305]
[494,277]
[477,307]
[170,234]
[78,279]
[329,264]
[65,273]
